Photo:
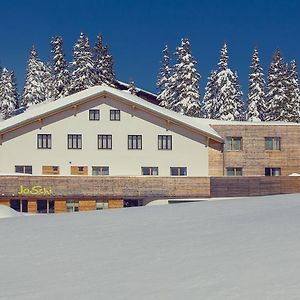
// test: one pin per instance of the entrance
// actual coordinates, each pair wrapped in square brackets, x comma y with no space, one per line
[45,206]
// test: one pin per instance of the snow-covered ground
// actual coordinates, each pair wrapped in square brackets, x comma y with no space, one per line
[233,249]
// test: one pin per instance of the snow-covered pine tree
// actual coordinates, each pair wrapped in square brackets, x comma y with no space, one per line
[98,60]
[60,71]
[277,95]
[15,88]
[229,98]
[109,76]
[34,88]
[256,97]
[238,98]
[8,94]
[163,81]
[293,91]
[186,95]
[132,88]
[83,74]
[210,105]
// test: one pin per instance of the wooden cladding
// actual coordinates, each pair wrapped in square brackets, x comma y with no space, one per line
[79,170]
[87,205]
[50,170]
[115,203]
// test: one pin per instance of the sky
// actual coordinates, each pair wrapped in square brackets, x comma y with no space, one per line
[137,31]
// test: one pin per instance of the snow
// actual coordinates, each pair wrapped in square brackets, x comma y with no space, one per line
[233,249]
[7,212]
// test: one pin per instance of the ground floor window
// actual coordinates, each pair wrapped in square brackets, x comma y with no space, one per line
[19,205]
[272,171]
[45,206]
[23,169]
[101,204]
[178,171]
[100,170]
[133,202]
[234,171]
[72,205]
[150,171]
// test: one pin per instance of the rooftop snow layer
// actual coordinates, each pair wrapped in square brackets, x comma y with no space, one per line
[233,249]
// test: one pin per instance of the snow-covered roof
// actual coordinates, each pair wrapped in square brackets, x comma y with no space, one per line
[40,111]
[253,123]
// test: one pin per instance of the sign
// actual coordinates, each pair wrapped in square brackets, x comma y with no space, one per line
[35,190]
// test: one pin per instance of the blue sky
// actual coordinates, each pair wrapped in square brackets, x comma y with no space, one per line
[137,31]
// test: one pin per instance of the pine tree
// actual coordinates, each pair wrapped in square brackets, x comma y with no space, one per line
[210,101]
[109,76]
[132,88]
[8,94]
[15,89]
[35,87]
[98,60]
[256,97]
[276,97]
[293,92]
[163,82]
[83,74]
[60,72]
[186,95]
[229,98]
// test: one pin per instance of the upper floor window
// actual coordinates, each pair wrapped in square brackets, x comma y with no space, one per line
[272,171]
[272,143]
[44,141]
[134,142]
[150,171]
[104,141]
[100,170]
[94,114]
[74,141]
[234,171]
[178,171]
[233,143]
[164,142]
[115,115]
[23,169]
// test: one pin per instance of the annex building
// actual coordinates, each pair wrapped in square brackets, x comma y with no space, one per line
[104,148]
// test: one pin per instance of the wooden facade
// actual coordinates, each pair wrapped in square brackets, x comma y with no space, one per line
[253,158]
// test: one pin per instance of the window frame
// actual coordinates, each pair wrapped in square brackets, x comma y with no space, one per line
[179,171]
[101,173]
[272,171]
[107,143]
[115,115]
[24,167]
[77,139]
[136,140]
[230,140]
[164,145]
[274,141]
[44,144]
[95,114]
[151,169]
[234,171]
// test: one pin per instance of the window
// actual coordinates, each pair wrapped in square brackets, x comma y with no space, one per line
[100,204]
[272,171]
[79,170]
[104,141]
[72,205]
[149,170]
[100,171]
[23,169]
[134,142]
[164,142]
[178,171]
[272,143]
[233,143]
[50,170]
[234,171]
[74,141]
[115,115]
[94,114]
[45,206]
[19,205]
[44,141]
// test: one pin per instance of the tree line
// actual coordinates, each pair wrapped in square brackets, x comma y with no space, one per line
[277,99]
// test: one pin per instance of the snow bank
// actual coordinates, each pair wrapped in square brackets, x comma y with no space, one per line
[7,212]
[235,249]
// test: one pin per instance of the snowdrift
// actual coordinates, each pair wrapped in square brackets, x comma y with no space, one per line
[7,212]
[234,249]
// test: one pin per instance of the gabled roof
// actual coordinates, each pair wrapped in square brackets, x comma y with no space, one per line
[42,110]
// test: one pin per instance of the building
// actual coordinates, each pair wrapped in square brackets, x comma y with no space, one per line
[104,147]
